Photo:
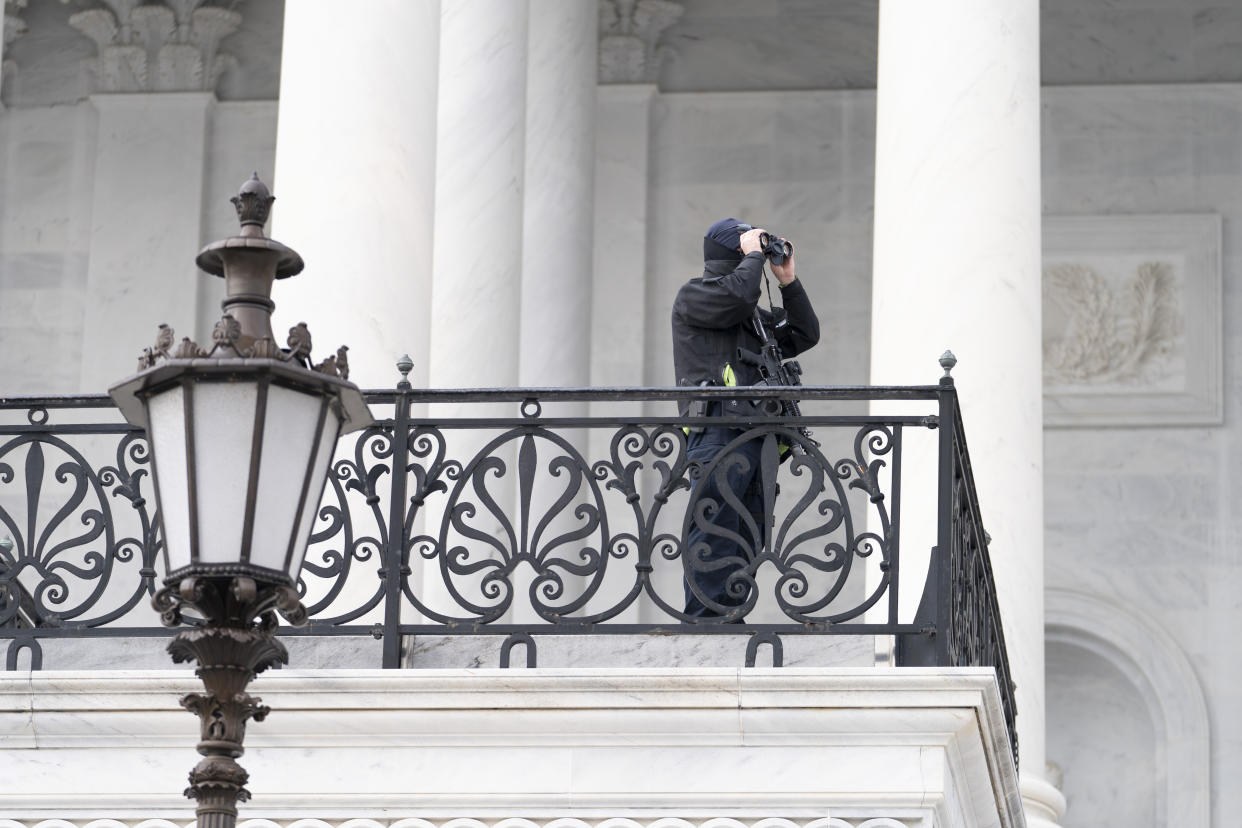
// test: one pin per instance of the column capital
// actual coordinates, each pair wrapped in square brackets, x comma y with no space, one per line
[157,47]
[11,28]
[629,38]
[14,26]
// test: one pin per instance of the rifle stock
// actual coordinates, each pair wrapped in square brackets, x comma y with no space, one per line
[774,370]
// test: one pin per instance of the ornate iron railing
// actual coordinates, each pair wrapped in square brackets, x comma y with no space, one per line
[524,512]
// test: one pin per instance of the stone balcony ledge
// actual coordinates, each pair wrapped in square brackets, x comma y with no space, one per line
[917,746]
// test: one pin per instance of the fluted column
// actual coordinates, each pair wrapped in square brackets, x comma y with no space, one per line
[480,169]
[355,167]
[957,265]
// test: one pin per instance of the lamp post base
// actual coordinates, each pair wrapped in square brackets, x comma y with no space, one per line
[233,643]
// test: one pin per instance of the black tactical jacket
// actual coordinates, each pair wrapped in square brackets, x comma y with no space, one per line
[713,316]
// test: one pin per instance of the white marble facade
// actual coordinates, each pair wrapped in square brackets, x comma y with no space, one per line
[1146,517]
[1142,519]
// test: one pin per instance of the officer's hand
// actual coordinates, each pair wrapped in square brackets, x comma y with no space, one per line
[750,241]
[784,273]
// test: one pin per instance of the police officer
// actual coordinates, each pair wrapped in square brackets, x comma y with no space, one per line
[714,316]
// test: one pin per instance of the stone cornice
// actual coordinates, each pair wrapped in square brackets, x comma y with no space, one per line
[629,38]
[157,47]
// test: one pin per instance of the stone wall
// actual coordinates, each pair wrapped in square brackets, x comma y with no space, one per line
[47,230]
[1146,517]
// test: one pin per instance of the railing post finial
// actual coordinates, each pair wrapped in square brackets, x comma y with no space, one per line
[405,365]
[947,361]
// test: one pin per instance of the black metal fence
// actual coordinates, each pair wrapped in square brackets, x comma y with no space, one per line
[522,512]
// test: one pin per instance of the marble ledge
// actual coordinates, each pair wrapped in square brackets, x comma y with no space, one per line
[585,742]
[739,706]
[627,684]
[640,651]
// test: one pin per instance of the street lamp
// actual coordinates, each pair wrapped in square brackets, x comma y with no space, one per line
[241,438]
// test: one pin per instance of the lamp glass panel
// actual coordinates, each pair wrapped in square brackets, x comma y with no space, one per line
[314,494]
[223,436]
[166,431]
[288,444]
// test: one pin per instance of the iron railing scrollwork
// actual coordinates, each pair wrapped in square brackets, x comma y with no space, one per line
[514,512]
[959,612]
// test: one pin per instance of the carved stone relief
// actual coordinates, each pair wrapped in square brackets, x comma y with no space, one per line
[157,47]
[1125,332]
[629,38]
[1131,320]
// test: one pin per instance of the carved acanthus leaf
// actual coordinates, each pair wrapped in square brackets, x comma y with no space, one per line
[630,31]
[1111,338]
[14,27]
[157,47]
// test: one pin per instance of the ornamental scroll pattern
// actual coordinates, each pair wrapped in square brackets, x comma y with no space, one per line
[517,525]
[975,637]
[503,520]
[523,520]
[78,538]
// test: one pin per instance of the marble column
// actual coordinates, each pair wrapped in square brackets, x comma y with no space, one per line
[476,298]
[957,265]
[480,170]
[355,179]
[557,236]
[630,57]
[559,194]
[146,225]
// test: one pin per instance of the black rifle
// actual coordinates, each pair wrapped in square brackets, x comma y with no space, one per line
[775,370]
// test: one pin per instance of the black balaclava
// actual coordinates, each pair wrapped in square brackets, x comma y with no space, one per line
[723,240]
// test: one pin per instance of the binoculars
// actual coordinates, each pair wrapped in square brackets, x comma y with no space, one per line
[775,248]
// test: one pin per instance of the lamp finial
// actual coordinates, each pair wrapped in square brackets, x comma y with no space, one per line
[254,204]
